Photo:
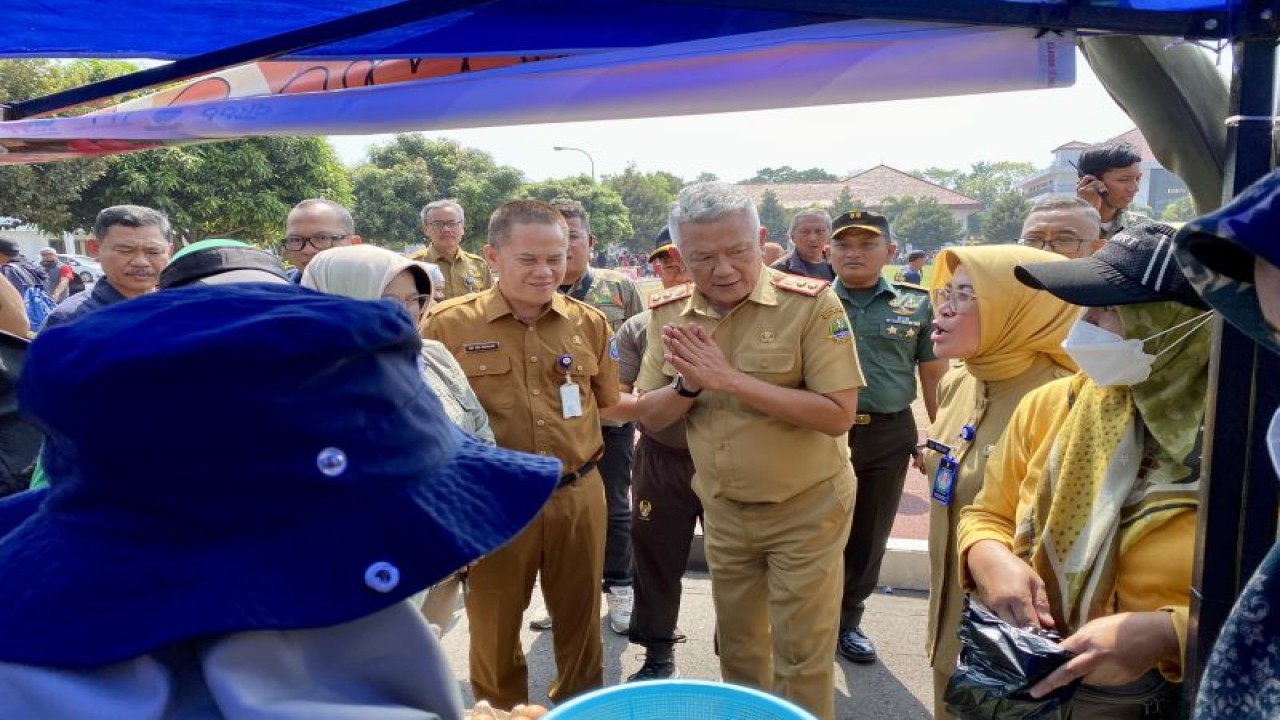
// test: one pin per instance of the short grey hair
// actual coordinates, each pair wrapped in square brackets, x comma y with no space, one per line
[344,215]
[132,216]
[1066,202]
[446,203]
[818,213]
[708,202]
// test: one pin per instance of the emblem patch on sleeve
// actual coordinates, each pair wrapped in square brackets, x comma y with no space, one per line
[839,330]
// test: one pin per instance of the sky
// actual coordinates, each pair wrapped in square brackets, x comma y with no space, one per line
[950,132]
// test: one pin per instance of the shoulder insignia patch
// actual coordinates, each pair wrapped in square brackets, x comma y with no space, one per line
[670,295]
[910,286]
[800,284]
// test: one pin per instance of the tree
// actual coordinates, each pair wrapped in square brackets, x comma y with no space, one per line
[926,224]
[985,181]
[42,194]
[403,175]
[647,197]
[1003,221]
[774,217]
[241,189]
[706,177]
[844,203]
[1180,210]
[610,219]
[788,174]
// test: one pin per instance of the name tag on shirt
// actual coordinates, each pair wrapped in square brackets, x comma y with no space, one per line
[570,400]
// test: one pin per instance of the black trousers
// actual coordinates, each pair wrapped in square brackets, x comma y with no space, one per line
[615,468]
[881,455]
[663,519]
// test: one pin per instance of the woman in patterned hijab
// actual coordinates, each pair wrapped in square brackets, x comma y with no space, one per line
[1086,519]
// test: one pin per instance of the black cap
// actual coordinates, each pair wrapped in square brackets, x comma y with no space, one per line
[9,247]
[219,264]
[1135,266]
[916,255]
[862,220]
[661,244]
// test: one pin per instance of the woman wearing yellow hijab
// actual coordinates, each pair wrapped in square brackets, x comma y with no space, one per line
[1086,519]
[1009,337]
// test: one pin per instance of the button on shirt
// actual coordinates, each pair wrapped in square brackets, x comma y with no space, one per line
[512,368]
[782,337]
[464,273]
[892,325]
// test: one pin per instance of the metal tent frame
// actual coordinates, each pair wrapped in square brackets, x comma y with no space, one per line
[1237,521]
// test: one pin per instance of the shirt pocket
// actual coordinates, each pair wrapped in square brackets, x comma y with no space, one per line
[585,368]
[901,330]
[490,378]
[770,365]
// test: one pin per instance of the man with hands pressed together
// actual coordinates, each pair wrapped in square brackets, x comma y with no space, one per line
[763,368]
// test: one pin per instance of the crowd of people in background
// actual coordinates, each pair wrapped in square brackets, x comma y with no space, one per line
[441,432]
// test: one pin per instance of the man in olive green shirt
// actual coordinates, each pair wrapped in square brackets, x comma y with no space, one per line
[891,325]
[443,223]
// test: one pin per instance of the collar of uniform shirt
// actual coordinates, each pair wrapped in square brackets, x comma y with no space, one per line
[495,306]
[764,293]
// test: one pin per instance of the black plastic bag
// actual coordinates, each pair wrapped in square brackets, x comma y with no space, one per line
[998,666]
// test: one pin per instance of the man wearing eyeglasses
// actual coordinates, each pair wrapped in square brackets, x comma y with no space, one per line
[443,222]
[312,226]
[1066,225]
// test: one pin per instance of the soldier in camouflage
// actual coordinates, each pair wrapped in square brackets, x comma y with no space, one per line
[616,296]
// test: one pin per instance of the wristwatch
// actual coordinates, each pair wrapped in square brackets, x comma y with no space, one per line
[681,390]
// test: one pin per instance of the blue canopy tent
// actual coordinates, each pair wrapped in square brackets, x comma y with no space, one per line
[636,58]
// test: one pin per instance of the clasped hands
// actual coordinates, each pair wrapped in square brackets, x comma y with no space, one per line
[1109,651]
[691,350]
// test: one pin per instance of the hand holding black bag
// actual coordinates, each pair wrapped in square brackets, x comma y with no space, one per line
[998,666]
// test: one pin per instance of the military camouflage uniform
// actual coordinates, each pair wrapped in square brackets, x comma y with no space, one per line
[615,295]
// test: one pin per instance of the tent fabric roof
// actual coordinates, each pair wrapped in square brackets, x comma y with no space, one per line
[170,29]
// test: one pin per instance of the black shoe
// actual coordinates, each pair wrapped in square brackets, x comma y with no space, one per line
[655,670]
[856,647]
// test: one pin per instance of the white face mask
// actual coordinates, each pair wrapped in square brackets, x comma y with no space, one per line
[1110,360]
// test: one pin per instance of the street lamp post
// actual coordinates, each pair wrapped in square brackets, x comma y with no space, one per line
[589,159]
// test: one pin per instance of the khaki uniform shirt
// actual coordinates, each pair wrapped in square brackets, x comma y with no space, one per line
[465,273]
[609,291]
[791,331]
[512,368]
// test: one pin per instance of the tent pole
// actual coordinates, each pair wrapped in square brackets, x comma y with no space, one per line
[1066,16]
[401,13]
[1238,498]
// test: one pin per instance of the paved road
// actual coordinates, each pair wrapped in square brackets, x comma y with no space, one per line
[896,688]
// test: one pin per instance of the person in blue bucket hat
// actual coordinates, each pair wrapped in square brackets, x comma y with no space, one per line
[238,541]
[1232,258]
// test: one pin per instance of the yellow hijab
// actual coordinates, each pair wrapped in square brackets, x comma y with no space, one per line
[1016,323]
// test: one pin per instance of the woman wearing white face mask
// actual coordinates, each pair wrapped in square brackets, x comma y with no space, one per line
[1086,519]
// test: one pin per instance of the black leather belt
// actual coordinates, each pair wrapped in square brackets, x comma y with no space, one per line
[573,477]
[868,418]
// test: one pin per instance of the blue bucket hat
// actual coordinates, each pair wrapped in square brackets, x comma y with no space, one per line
[1217,251]
[268,457]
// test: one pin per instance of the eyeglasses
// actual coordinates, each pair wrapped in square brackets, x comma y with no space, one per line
[959,298]
[442,224]
[415,304]
[323,241]
[1057,246]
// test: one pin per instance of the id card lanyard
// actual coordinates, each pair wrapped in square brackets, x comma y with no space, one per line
[570,394]
[944,478]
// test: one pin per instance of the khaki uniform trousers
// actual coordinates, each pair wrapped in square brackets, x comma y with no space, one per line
[777,575]
[565,542]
